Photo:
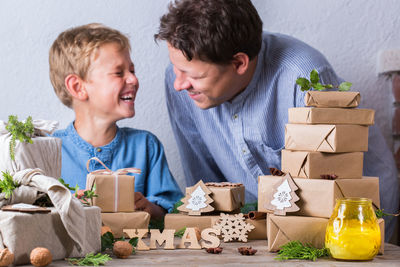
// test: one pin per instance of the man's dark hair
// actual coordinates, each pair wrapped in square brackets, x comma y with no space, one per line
[212,30]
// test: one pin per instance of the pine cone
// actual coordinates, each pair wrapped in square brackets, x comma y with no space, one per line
[217,250]
[276,172]
[247,251]
[329,176]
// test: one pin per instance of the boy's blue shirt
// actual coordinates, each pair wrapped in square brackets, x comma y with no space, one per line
[129,148]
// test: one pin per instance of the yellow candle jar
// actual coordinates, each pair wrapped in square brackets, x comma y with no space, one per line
[353,232]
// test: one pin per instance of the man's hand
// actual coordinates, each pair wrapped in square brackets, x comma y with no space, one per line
[155,211]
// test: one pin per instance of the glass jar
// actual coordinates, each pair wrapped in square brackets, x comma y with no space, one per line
[353,232]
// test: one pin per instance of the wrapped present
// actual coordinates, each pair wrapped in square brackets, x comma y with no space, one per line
[326,137]
[115,190]
[332,99]
[44,152]
[22,232]
[307,230]
[125,220]
[381,223]
[318,196]
[312,165]
[304,115]
[227,196]
[178,221]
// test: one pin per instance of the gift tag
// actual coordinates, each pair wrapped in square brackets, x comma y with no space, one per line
[284,198]
[197,200]
[22,207]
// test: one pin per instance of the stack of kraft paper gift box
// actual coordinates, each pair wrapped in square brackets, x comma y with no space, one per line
[325,139]
[116,199]
[227,198]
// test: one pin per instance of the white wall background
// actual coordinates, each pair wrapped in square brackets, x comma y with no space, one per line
[349,32]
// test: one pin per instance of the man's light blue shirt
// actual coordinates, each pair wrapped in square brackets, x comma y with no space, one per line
[129,148]
[241,139]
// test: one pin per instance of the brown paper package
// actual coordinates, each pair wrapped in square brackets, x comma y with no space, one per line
[105,189]
[25,231]
[226,198]
[178,221]
[283,229]
[332,99]
[318,196]
[312,165]
[326,137]
[125,220]
[381,223]
[331,116]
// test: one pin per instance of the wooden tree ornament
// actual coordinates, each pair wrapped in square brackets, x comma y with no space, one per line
[284,197]
[197,200]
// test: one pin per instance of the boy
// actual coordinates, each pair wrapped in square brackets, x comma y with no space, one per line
[92,73]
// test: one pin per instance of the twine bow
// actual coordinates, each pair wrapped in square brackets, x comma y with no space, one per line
[107,171]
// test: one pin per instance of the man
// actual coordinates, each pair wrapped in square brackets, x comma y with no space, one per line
[229,89]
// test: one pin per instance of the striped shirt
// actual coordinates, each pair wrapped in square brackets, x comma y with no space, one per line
[239,140]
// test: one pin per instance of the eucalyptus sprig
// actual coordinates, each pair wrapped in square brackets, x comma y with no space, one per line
[90,260]
[296,250]
[7,184]
[22,131]
[313,82]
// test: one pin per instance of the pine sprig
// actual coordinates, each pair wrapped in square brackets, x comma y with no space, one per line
[306,84]
[90,260]
[379,213]
[296,250]
[7,184]
[22,131]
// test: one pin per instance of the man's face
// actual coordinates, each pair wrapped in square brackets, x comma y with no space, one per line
[207,84]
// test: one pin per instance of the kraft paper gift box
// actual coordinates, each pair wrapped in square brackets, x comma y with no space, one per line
[226,198]
[312,165]
[381,223]
[125,220]
[331,116]
[332,99]
[318,196]
[326,137]
[178,221]
[307,230]
[21,232]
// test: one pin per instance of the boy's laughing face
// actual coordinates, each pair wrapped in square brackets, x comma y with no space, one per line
[111,84]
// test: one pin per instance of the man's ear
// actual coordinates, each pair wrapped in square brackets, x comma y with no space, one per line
[241,62]
[74,85]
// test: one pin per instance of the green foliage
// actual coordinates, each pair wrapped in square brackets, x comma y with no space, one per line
[306,84]
[180,232]
[108,240]
[61,180]
[88,195]
[379,213]
[90,260]
[19,131]
[7,184]
[156,224]
[296,250]
[249,207]
[176,205]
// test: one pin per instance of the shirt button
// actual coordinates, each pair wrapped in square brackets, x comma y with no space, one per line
[244,150]
[235,116]
[98,149]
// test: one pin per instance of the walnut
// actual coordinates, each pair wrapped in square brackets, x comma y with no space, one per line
[122,249]
[6,257]
[41,257]
[217,250]
[247,251]
[105,229]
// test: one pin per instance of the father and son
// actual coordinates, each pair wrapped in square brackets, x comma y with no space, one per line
[228,90]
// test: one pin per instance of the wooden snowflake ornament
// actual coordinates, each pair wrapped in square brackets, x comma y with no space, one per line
[284,198]
[197,200]
[233,227]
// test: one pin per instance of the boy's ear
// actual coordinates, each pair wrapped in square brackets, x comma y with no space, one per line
[240,62]
[74,85]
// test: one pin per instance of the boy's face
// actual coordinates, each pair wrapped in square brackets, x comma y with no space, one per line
[207,84]
[111,84]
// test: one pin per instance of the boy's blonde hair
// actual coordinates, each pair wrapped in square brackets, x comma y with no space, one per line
[74,49]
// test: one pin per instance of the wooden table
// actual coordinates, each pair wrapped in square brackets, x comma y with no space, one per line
[230,257]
